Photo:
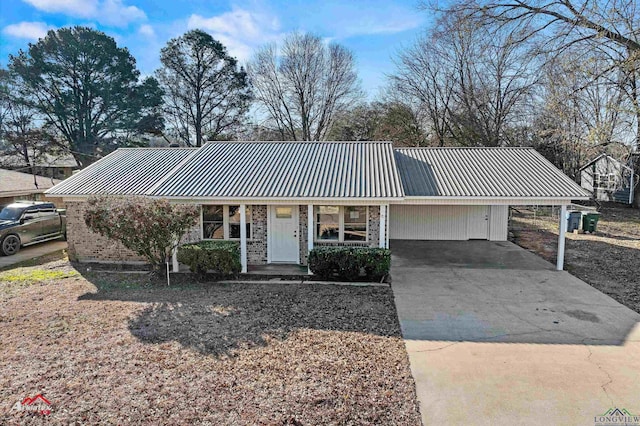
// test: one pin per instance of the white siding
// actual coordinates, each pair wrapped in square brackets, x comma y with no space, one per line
[498,223]
[411,222]
[443,222]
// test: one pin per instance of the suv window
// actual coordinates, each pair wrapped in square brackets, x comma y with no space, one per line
[47,210]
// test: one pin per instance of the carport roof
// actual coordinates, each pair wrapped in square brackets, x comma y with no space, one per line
[482,172]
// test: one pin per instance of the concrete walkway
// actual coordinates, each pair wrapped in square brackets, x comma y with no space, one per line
[495,336]
[32,252]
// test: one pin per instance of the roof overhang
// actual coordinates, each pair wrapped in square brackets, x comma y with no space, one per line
[254,200]
[509,201]
[513,201]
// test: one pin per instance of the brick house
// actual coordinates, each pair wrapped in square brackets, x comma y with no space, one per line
[281,199]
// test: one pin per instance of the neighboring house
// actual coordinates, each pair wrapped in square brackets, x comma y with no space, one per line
[23,186]
[608,179]
[59,166]
[300,195]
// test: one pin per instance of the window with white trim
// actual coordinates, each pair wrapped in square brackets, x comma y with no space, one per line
[341,223]
[223,222]
[607,181]
[355,223]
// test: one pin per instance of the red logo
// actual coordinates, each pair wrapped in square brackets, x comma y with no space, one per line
[38,404]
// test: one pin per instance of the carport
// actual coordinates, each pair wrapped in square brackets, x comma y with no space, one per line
[462,194]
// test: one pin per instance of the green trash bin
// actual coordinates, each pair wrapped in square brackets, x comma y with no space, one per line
[590,222]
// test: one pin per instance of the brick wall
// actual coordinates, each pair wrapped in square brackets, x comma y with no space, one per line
[84,245]
[303,234]
[257,246]
[373,233]
[87,246]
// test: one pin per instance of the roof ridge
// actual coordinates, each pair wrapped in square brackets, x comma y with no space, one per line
[463,147]
[297,142]
[139,148]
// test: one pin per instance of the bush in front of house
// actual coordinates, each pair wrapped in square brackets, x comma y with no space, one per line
[350,263]
[147,226]
[221,257]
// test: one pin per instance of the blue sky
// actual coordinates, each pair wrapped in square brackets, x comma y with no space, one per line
[374,30]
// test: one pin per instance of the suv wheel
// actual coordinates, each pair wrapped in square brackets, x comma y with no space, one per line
[10,245]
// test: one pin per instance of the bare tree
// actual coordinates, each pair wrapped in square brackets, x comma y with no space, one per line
[206,93]
[612,27]
[578,117]
[303,85]
[471,83]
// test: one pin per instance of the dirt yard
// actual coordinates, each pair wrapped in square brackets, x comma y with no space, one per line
[609,259]
[111,349]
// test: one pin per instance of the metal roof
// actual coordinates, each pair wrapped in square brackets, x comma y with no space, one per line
[313,170]
[126,171]
[482,172]
[286,170]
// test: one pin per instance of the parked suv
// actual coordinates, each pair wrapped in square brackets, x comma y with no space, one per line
[24,223]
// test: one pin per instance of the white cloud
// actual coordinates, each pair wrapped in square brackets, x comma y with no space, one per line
[113,12]
[107,12]
[146,30]
[347,19]
[27,30]
[241,31]
[82,8]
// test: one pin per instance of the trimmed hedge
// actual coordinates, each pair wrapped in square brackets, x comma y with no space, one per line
[222,257]
[350,263]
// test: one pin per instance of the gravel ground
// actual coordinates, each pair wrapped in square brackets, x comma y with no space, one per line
[608,260]
[104,348]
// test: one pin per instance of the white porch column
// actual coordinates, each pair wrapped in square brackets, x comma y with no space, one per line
[383,221]
[310,233]
[561,237]
[243,237]
[174,259]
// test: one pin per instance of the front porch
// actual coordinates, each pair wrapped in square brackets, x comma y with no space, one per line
[276,238]
[279,270]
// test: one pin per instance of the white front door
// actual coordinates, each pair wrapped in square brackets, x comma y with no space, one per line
[478,223]
[283,234]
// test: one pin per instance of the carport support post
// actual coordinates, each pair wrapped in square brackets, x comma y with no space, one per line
[561,237]
[243,237]
[310,233]
[383,221]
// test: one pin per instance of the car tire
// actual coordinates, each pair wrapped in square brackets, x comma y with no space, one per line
[10,245]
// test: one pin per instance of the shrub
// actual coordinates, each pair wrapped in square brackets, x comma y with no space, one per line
[350,263]
[146,226]
[223,257]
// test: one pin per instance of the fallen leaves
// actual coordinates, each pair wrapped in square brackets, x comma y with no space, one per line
[272,354]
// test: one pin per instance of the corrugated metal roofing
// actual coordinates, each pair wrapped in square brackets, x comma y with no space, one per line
[482,172]
[126,171]
[287,170]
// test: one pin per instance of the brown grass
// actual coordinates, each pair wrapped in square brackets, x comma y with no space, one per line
[608,260]
[106,348]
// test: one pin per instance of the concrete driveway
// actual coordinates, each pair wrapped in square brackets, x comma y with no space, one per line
[496,336]
[32,252]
